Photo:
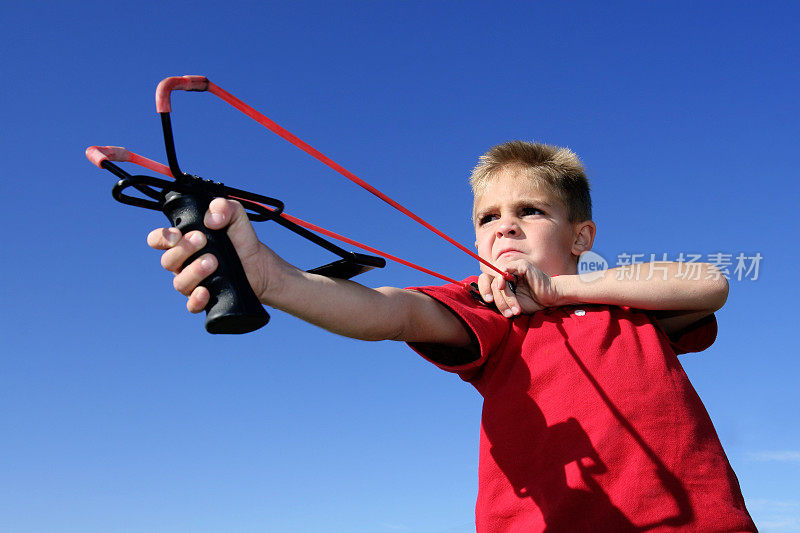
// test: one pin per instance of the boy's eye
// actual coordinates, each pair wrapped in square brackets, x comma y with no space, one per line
[528,211]
[485,219]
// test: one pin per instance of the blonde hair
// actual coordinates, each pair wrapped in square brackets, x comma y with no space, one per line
[559,169]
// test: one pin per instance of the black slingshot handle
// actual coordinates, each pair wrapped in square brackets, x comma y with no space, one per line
[233,306]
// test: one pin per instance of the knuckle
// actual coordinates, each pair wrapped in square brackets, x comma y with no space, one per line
[196,240]
[205,265]
[193,303]
[179,283]
[173,259]
[236,206]
[166,261]
[198,299]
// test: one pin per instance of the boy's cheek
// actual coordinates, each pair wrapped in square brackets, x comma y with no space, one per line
[484,246]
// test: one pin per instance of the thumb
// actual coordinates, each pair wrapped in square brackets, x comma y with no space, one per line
[222,213]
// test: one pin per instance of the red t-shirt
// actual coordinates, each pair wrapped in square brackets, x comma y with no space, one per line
[589,422]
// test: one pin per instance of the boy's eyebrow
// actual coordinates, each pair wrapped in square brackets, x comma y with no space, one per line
[536,202]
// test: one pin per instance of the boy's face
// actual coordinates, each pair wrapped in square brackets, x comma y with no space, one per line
[517,219]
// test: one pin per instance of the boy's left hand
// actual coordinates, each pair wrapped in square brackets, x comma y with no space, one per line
[535,290]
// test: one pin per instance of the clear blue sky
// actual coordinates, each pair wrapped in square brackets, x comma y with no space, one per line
[118,413]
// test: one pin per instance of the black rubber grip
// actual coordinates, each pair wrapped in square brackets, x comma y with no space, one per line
[233,306]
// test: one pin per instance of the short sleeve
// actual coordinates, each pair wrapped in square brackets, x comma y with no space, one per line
[696,337]
[485,324]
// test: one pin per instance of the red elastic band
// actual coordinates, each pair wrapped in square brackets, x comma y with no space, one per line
[310,150]
[333,235]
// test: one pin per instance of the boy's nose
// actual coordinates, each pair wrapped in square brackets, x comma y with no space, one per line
[508,228]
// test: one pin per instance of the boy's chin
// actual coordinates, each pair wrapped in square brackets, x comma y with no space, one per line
[506,260]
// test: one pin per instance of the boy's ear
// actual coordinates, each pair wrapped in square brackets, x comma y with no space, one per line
[584,237]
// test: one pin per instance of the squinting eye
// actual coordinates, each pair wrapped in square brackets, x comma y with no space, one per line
[485,219]
[527,211]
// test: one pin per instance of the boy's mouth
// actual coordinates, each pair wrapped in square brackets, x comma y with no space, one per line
[510,251]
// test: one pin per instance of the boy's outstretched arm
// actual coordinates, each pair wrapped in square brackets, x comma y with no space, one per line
[340,306]
[679,300]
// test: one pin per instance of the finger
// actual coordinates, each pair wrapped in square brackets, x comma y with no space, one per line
[499,297]
[191,276]
[174,258]
[531,279]
[511,300]
[485,287]
[163,238]
[505,299]
[198,300]
[518,270]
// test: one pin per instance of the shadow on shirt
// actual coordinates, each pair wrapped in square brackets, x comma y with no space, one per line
[547,450]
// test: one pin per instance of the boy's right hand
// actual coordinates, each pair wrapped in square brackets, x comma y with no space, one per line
[261,265]
[534,291]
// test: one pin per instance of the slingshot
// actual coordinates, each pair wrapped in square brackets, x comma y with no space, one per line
[233,307]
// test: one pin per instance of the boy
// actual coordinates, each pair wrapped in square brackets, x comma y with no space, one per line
[589,422]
